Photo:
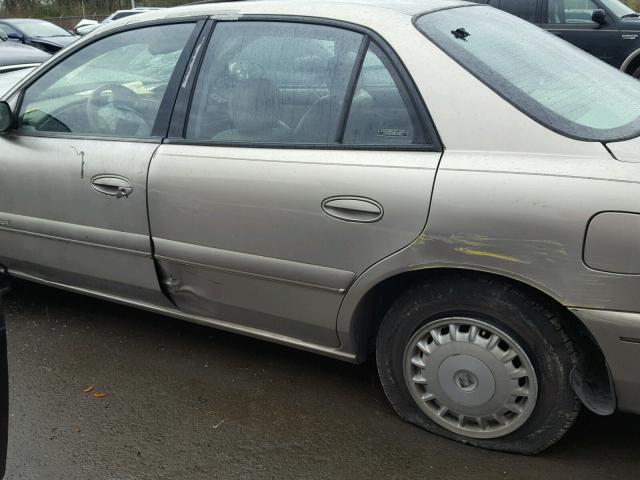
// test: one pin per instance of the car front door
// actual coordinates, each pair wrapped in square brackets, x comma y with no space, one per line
[73,172]
[571,21]
[306,158]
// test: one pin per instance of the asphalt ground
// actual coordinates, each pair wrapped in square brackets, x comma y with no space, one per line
[181,401]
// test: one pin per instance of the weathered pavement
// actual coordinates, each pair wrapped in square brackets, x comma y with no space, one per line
[187,402]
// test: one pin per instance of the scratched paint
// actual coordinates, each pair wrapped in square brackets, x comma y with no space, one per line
[483,253]
[514,250]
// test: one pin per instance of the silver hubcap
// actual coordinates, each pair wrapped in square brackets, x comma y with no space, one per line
[470,377]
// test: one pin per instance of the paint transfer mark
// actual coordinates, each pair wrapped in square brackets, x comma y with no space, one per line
[483,253]
[457,239]
[80,153]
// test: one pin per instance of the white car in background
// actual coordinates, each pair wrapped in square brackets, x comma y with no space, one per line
[86,26]
[9,79]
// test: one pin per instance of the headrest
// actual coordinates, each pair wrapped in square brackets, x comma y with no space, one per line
[253,105]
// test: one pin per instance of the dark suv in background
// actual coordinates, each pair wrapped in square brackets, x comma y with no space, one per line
[608,29]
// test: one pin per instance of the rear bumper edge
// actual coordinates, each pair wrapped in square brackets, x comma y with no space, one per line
[618,335]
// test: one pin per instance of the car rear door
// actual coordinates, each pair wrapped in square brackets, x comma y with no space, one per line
[306,157]
[73,209]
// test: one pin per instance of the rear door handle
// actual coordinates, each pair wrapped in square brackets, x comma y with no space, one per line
[353,209]
[112,185]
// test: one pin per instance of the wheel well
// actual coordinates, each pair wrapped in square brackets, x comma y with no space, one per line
[634,65]
[376,303]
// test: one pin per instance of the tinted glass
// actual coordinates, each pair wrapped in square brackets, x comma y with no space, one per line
[571,11]
[555,83]
[525,9]
[273,82]
[111,87]
[380,113]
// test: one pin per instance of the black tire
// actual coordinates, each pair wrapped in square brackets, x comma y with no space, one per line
[636,73]
[533,324]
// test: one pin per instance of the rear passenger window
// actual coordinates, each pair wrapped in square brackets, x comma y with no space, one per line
[287,83]
[525,9]
[380,113]
[273,82]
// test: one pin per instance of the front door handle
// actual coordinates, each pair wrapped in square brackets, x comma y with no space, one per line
[353,209]
[112,185]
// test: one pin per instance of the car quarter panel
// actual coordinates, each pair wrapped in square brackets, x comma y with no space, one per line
[511,197]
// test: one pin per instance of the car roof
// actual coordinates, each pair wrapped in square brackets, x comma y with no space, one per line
[22,20]
[354,9]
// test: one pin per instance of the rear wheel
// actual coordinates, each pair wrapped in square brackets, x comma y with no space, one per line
[636,74]
[477,360]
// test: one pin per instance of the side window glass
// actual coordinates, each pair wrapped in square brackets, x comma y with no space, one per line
[571,11]
[7,28]
[273,82]
[525,9]
[381,113]
[111,87]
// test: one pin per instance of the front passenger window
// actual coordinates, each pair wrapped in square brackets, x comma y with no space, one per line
[112,87]
[571,11]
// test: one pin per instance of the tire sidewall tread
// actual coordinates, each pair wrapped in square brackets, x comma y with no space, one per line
[536,327]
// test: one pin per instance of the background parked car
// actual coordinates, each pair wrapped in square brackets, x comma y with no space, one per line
[37,33]
[9,79]
[608,29]
[14,56]
[87,26]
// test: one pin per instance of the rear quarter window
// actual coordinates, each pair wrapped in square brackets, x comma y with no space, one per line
[553,82]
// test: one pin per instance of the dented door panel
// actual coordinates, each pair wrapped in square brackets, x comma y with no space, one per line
[240,233]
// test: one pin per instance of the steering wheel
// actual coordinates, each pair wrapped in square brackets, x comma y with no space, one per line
[128,108]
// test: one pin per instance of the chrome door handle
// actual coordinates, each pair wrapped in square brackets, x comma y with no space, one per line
[112,185]
[353,209]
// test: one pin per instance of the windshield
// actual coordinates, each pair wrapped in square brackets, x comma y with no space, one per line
[553,82]
[618,8]
[36,28]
